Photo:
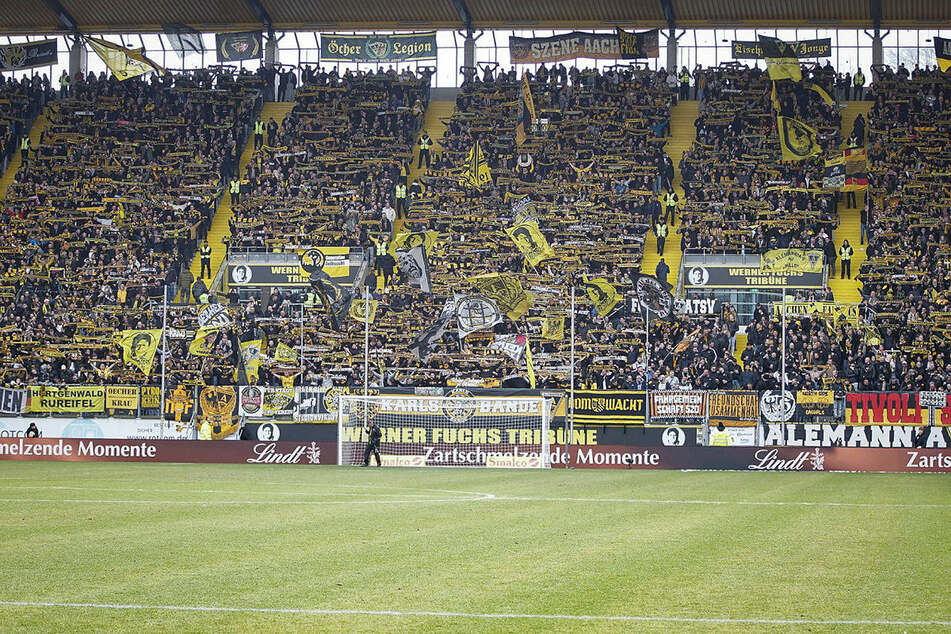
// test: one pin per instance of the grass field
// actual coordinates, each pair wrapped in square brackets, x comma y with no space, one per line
[311,549]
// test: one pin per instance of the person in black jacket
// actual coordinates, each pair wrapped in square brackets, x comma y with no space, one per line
[373,444]
[32,431]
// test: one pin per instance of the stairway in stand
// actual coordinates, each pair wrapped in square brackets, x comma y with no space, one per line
[848,290]
[682,135]
[441,106]
[40,124]
[219,223]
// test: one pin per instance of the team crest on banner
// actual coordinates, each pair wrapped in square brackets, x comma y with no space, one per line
[797,140]
[475,312]
[553,328]
[180,404]
[531,242]
[217,405]
[792,261]
[233,47]
[654,296]
[477,173]
[506,291]
[203,343]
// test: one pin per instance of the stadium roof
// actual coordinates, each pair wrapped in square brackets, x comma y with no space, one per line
[45,16]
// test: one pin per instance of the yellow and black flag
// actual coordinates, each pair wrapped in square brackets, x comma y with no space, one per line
[285,354]
[819,90]
[528,112]
[602,294]
[553,328]
[477,173]
[124,62]
[531,242]
[942,52]
[138,347]
[782,61]
[203,343]
[506,291]
[798,141]
[364,310]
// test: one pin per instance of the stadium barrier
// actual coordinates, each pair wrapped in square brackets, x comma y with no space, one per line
[587,457]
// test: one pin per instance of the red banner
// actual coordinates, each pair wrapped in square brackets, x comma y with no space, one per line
[758,458]
[104,450]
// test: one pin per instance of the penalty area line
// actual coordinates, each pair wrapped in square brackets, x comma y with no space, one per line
[467,615]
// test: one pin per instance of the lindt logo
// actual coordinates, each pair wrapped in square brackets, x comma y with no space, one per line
[267,453]
[769,460]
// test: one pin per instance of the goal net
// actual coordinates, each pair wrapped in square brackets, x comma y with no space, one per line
[446,431]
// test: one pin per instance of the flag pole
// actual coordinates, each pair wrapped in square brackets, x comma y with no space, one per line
[366,351]
[162,388]
[571,389]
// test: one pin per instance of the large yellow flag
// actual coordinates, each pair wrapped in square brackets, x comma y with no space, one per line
[531,242]
[797,140]
[138,347]
[477,173]
[124,62]
[285,354]
[783,68]
[553,328]
[506,291]
[201,345]
[942,52]
[602,294]
[364,309]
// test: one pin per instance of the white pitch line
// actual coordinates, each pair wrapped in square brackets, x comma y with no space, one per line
[722,502]
[240,502]
[471,615]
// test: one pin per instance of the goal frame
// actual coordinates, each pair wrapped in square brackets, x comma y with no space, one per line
[541,422]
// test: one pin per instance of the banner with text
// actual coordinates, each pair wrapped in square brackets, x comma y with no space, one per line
[378,48]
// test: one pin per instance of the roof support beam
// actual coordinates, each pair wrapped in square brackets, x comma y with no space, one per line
[261,14]
[875,9]
[464,15]
[64,16]
[667,6]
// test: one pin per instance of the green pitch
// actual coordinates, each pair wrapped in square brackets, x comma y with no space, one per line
[686,551]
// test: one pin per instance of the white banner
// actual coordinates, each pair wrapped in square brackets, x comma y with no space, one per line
[112,428]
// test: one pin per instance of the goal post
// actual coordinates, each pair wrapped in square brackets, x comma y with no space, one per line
[458,430]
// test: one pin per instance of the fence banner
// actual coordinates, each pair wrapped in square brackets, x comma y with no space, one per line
[266,402]
[755,458]
[733,408]
[122,397]
[273,431]
[680,405]
[776,406]
[107,450]
[99,427]
[536,50]
[609,407]
[841,435]
[316,404]
[378,48]
[883,408]
[727,276]
[28,55]
[12,401]
[84,399]
[802,48]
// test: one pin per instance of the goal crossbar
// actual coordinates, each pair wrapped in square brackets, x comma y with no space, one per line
[446,431]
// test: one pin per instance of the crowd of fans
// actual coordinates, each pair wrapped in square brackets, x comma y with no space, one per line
[105,210]
[110,205]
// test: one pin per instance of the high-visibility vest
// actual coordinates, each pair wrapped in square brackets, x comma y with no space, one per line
[670,199]
[845,253]
[206,253]
[63,81]
[401,191]
[235,186]
[684,77]
[720,439]
[859,79]
[25,143]
[259,127]
[425,142]
[661,230]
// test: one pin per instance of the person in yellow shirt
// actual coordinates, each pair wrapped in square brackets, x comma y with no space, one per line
[721,437]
